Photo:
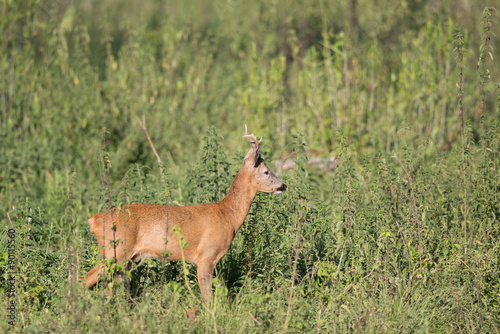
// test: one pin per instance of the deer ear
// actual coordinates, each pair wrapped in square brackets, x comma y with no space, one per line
[252,159]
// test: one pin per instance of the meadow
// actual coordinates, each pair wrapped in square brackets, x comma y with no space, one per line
[395,229]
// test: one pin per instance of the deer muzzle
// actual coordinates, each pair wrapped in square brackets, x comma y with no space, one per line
[281,189]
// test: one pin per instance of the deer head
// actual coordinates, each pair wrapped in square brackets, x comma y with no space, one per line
[262,178]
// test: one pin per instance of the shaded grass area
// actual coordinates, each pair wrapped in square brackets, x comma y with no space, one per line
[402,236]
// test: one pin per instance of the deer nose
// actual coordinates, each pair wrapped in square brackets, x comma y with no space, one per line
[282,188]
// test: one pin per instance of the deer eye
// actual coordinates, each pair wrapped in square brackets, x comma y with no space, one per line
[266,172]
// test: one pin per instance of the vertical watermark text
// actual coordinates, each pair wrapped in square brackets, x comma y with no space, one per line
[11,277]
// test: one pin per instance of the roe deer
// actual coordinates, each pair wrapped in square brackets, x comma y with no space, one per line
[209,229]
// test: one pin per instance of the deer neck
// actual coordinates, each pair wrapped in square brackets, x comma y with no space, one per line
[238,200]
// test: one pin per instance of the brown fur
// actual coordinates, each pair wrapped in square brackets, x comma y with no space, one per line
[209,229]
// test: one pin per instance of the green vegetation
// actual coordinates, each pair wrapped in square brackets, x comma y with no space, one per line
[402,236]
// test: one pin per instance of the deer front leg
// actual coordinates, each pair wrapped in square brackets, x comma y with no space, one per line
[205,272]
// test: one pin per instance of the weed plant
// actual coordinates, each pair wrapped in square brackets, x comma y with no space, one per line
[402,235]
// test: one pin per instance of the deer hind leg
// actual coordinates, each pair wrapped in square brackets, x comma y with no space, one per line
[94,275]
[105,242]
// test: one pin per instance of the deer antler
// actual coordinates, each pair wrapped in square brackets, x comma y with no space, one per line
[251,138]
